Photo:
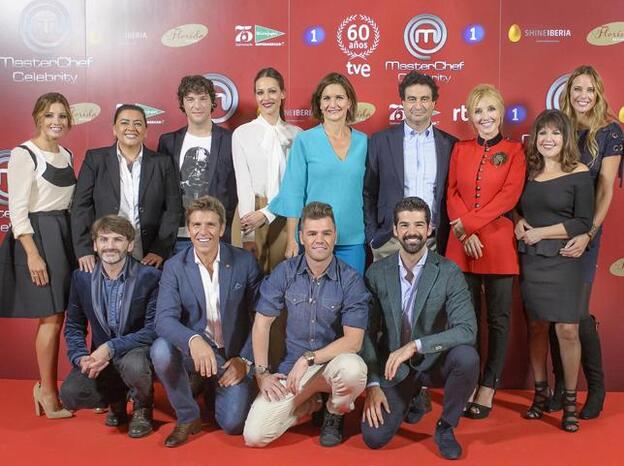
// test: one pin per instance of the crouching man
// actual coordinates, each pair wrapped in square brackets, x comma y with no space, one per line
[118,300]
[327,305]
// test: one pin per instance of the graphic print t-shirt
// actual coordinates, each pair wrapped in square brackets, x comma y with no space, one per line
[194,162]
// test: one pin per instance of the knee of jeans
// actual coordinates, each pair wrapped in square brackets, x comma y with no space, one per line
[374,439]
[135,365]
[232,423]
[350,369]
[68,393]
[161,353]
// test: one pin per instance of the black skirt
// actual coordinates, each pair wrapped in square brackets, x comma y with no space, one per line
[551,287]
[19,296]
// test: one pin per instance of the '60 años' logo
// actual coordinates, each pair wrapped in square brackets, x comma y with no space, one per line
[362,36]
[4,189]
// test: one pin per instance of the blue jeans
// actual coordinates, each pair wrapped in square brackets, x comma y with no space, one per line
[231,403]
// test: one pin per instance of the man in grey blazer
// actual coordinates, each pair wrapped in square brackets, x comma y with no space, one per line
[421,332]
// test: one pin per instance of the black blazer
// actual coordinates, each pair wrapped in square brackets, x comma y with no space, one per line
[221,180]
[97,194]
[385,177]
[137,312]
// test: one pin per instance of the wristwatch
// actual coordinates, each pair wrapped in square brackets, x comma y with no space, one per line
[260,370]
[309,357]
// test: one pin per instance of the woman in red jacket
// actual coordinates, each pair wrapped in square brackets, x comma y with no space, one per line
[486,177]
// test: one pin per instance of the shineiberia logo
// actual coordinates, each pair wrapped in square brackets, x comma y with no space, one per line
[544,34]
[262,36]
[607,34]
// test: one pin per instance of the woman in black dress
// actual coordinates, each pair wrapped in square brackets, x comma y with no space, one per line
[36,257]
[557,204]
[600,140]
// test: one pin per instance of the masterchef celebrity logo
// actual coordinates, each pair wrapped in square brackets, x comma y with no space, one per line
[424,35]
[44,25]
[226,97]
[554,92]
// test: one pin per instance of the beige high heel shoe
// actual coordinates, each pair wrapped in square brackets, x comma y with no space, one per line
[59,414]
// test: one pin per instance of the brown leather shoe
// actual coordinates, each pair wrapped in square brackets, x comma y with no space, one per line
[181,433]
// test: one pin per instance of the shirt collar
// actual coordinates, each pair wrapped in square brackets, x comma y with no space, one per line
[120,156]
[199,262]
[122,275]
[490,142]
[409,131]
[331,272]
[419,264]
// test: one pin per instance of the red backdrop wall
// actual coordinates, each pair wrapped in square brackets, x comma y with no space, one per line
[101,53]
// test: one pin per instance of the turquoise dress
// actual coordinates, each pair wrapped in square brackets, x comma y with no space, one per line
[315,173]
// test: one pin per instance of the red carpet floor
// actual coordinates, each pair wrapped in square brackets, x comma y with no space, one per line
[502,439]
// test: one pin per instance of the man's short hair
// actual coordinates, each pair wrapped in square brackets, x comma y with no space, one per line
[134,107]
[411,204]
[197,84]
[316,211]
[206,204]
[414,77]
[113,224]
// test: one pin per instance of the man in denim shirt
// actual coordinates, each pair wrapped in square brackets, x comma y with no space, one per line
[327,304]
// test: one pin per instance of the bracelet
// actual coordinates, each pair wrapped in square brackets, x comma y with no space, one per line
[592,231]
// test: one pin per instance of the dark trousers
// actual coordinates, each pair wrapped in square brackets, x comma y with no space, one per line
[174,369]
[457,371]
[498,295]
[130,372]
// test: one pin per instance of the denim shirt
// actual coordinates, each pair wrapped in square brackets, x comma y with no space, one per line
[112,296]
[318,308]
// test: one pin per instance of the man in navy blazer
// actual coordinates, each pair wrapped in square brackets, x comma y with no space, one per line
[130,180]
[201,152]
[118,301]
[204,319]
[410,159]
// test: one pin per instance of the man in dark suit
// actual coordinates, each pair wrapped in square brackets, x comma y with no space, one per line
[118,301]
[422,331]
[411,159]
[130,180]
[204,319]
[201,153]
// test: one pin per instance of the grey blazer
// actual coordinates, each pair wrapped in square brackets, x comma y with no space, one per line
[443,315]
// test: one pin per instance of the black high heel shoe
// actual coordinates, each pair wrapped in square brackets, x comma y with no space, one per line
[569,420]
[540,399]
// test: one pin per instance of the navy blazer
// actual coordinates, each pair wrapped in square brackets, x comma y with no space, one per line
[221,180]
[384,182]
[442,315]
[98,194]
[136,320]
[181,308]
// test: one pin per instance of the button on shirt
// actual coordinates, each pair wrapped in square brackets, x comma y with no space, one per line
[408,294]
[211,292]
[420,166]
[317,308]
[129,180]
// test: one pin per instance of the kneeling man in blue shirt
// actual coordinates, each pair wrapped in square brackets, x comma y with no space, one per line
[327,305]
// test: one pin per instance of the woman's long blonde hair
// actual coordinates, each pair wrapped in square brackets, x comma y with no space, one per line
[600,114]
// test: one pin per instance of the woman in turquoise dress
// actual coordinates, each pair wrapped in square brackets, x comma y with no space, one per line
[326,164]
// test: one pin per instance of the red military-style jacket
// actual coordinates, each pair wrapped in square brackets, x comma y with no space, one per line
[485,182]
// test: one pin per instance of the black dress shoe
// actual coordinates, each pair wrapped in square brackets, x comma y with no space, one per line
[116,415]
[141,423]
[448,446]
[181,433]
[331,430]
[419,406]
